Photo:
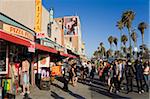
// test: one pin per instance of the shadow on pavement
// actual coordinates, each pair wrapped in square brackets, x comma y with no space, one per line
[95,85]
[68,91]
[76,95]
[26,96]
[106,93]
[56,96]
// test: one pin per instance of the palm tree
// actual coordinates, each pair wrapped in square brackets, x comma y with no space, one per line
[95,54]
[117,53]
[109,53]
[110,40]
[98,51]
[115,40]
[134,37]
[120,27]
[127,18]
[142,26]
[124,39]
[102,49]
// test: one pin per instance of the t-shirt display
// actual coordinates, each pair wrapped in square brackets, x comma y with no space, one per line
[2,57]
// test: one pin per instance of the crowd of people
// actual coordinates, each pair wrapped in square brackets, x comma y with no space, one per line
[119,74]
[119,71]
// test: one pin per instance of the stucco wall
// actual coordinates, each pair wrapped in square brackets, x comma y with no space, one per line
[22,11]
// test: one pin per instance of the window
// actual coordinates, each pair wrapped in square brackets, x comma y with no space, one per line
[49,29]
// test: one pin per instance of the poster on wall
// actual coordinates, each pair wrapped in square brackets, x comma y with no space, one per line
[56,71]
[70,25]
[43,61]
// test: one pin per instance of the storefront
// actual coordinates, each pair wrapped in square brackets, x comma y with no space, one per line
[16,43]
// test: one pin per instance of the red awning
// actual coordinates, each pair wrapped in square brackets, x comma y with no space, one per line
[45,48]
[13,39]
[67,55]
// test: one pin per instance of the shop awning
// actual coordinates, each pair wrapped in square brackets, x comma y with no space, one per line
[67,55]
[45,48]
[13,39]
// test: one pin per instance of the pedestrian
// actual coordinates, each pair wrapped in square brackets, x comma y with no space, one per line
[89,68]
[25,75]
[92,73]
[110,78]
[69,63]
[129,73]
[139,75]
[82,73]
[73,74]
[115,76]
[146,74]
[121,70]
[100,71]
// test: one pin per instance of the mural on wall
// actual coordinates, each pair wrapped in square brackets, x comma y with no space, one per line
[70,25]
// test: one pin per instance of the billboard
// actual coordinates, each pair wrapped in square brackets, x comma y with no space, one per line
[71,25]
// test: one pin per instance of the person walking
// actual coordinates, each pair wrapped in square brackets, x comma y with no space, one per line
[110,78]
[25,75]
[92,73]
[139,75]
[115,76]
[129,73]
[73,74]
[82,73]
[146,74]
[89,68]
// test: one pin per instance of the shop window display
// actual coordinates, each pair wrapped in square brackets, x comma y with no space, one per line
[3,56]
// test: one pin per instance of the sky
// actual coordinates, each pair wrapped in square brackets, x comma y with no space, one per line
[98,18]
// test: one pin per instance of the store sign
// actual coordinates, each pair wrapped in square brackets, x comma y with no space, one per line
[56,71]
[15,31]
[31,48]
[49,44]
[40,35]
[38,15]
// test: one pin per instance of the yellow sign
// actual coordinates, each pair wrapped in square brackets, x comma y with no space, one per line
[18,32]
[56,71]
[38,14]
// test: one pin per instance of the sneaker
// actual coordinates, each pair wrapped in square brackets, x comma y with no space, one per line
[28,92]
[89,82]
[22,93]
[142,91]
[117,92]
[139,92]
[122,88]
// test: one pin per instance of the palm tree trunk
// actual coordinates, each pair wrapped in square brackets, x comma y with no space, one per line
[142,44]
[130,40]
[120,38]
